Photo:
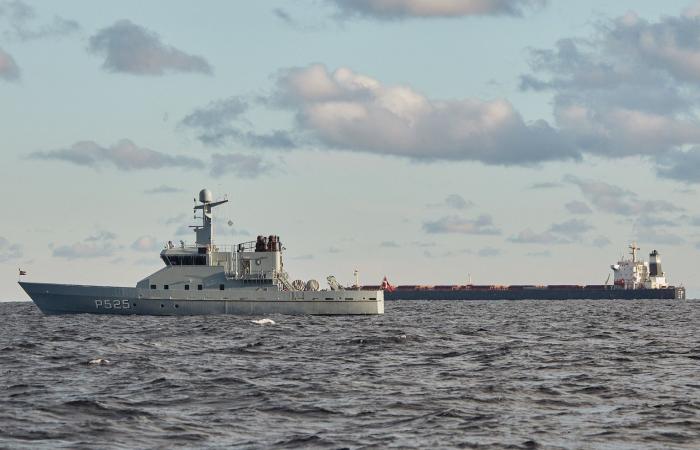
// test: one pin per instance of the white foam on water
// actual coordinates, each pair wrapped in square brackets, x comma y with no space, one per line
[264,322]
[99,362]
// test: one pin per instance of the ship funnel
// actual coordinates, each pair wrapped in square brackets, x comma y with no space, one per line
[205,196]
[655,264]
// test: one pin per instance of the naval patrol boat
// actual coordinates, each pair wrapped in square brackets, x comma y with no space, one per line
[207,278]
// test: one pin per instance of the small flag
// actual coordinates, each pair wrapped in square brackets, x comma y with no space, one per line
[22,272]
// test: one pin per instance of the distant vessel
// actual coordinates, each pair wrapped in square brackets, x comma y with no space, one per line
[634,279]
[207,278]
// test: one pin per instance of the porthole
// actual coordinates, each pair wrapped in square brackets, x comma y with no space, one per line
[162,305]
[176,305]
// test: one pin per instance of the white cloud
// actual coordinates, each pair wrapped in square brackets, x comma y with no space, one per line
[401,9]
[631,89]
[351,111]
[146,244]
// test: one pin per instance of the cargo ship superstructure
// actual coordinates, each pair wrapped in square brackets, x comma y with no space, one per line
[633,279]
[208,278]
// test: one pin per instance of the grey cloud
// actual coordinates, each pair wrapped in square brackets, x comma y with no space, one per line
[601,241]
[530,237]
[101,236]
[243,166]
[456,201]
[680,165]
[9,70]
[578,207]
[616,200]
[95,246]
[403,9]
[9,251]
[124,155]
[488,252]
[654,237]
[350,111]
[163,189]
[482,225]
[545,185]
[131,48]
[541,254]
[572,227]
[632,89]
[453,201]
[389,244]
[21,17]
[222,122]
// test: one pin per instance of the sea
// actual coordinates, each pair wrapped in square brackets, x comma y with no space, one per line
[427,374]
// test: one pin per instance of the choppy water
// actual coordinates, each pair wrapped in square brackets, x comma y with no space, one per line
[527,374]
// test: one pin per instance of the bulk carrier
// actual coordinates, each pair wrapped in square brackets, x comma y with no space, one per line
[633,279]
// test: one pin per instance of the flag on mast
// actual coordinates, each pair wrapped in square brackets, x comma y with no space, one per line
[22,272]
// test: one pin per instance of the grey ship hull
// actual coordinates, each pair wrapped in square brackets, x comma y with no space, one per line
[78,299]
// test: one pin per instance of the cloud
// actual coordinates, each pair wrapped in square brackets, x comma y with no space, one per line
[20,18]
[572,227]
[578,207]
[9,70]
[124,155]
[243,166]
[131,48]
[146,244]
[482,225]
[530,237]
[350,111]
[630,89]
[9,251]
[616,200]
[99,245]
[487,252]
[654,237]
[558,233]
[680,165]
[456,201]
[453,201]
[389,244]
[541,254]
[601,241]
[546,185]
[163,189]
[222,122]
[403,9]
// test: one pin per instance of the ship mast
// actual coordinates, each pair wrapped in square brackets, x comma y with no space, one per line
[205,233]
[633,250]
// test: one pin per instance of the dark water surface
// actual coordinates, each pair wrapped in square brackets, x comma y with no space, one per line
[525,374]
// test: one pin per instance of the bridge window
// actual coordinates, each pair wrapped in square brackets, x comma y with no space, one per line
[199,287]
[187,287]
[153,286]
[187,260]
[221,287]
[166,287]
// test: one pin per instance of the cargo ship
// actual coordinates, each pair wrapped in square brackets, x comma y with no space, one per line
[633,279]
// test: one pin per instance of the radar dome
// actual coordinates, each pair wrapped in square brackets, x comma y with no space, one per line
[205,196]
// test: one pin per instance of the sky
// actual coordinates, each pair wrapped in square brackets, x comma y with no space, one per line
[510,141]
